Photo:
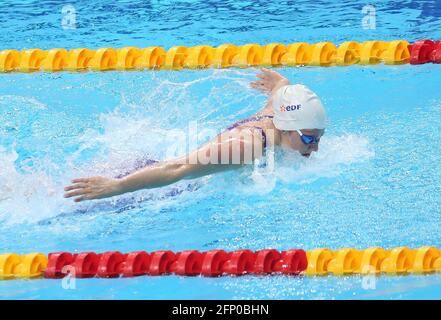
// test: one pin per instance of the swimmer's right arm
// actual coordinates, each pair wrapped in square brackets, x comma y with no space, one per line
[154,176]
[157,175]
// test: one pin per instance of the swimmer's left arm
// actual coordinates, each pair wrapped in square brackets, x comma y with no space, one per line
[270,81]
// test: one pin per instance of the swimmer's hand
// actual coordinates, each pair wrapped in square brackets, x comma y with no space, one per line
[270,81]
[93,188]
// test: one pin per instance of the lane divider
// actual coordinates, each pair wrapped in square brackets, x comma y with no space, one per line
[30,265]
[214,263]
[224,56]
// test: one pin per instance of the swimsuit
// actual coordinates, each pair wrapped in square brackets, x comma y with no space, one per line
[147,162]
[251,119]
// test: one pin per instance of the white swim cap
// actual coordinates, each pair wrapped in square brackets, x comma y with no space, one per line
[297,107]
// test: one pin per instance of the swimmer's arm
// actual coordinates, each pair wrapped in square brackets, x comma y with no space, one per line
[270,81]
[196,164]
[155,176]
[167,173]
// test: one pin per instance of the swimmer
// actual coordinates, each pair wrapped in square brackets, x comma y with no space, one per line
[293,118]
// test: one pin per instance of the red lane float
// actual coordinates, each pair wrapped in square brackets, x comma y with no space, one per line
[291,262]
[239,262]
[135,264]
[212,263]
[187,263]
[436,53]
[424,51]
[82,265]
[56,264]
[161,262]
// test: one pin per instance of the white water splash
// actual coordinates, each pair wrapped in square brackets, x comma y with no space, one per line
[26,197]
[335,154]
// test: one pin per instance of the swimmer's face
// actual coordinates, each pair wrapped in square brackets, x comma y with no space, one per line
[296,142]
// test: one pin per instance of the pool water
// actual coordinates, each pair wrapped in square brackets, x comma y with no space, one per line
[374,182]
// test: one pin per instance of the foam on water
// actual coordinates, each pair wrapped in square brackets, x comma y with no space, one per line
[290,168]
[26,196]
[335,152]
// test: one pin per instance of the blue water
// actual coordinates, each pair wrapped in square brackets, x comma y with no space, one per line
[374,182]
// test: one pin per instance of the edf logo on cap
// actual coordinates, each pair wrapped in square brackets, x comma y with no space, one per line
[290,107]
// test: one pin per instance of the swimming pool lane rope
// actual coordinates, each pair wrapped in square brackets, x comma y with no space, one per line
[317,262]
[224,56]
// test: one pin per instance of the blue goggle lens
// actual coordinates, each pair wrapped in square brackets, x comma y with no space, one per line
[309,139]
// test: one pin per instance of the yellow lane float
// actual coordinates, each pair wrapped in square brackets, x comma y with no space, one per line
[30,265]
[323,54]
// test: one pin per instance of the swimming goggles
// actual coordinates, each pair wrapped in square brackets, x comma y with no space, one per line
[307,139]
